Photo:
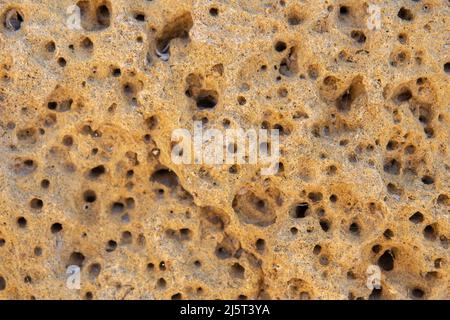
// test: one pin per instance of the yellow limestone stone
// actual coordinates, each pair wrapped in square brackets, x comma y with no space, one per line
[92,205]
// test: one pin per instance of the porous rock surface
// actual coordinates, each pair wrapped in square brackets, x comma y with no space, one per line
[86,176]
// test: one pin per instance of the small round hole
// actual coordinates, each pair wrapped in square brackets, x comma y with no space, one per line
[280,46]
[50,46]
[447,68]
[56,227]
[13,20]
[405,14]
[36,204]
[89,196]
[45,183]
[214,12]
[62,62]
[22,222]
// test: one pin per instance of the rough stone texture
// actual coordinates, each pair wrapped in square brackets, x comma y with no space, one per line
[86,118]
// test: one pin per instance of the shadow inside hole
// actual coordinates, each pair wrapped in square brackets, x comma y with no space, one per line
[13,20]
